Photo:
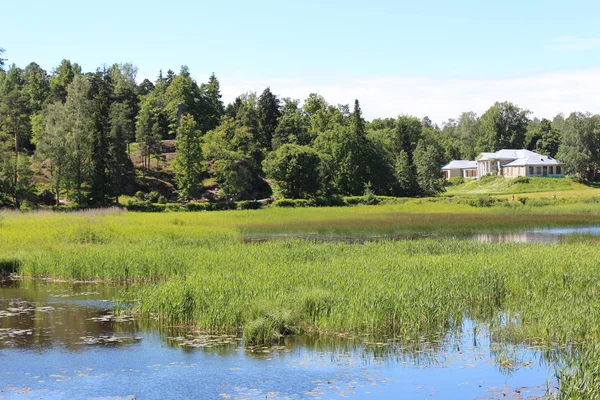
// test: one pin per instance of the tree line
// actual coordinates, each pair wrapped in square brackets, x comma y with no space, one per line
[75,130]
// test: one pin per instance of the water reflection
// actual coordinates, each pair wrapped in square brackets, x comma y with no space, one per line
[55,333]
[549,235]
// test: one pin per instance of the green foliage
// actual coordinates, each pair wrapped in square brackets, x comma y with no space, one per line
[294,169]
[153,196]
[231,149]
[249,205]
[503,126]
[455,181]
[188,162]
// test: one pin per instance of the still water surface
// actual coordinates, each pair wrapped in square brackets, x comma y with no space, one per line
[60,341]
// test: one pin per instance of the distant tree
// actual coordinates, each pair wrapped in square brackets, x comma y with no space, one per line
[14,129]
[292,126]
[580,146]
[145,88]
[148,133]
[350,154]
[101,96]
[188,162]
[467,133]
[428,160]
[542,137]
[268,116]
[214,109]
[407,135]
[295,170]
[183,96]
[60,79]
[503,126]
[79,110]
[121,172]
[36,87]
[229,149]
[52,145]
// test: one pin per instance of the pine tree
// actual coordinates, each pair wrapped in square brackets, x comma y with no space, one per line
[268,116]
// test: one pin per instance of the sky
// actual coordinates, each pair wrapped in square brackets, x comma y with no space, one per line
[425,58]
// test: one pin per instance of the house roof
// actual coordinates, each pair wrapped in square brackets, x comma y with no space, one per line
[460,164]
[506,154]
[535,159]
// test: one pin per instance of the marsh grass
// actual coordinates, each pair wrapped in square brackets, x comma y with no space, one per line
[196,269]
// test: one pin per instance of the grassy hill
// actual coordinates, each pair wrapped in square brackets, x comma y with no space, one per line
[535,186]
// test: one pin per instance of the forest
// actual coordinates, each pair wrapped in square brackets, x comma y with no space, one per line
[70,134]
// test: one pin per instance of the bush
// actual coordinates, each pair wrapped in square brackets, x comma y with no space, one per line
[520,179]
[353,200]
[249,205]
[483,201]
[199,206]
[172,207]
[154,196]
[144,206]
[162,200]
[457,180]
[222,206]
[523,200]
[334,201]
[140,195]
[284,203]
[490,178]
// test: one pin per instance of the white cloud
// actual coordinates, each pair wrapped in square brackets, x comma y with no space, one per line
[545,94]
[575,43]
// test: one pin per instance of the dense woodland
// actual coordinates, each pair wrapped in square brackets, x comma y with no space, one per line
[77,129]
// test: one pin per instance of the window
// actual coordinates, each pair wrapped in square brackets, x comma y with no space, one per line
[530,170]
[545,169]
[558,172]
[538,170]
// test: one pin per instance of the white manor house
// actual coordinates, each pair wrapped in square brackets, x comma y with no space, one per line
[506,162]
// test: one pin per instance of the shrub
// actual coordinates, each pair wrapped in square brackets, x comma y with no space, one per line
[334,201]
[140,195]
[353,200]
[457,180]
[523,200]
[483,201]
[286,203]
[199,206]
[490,178]
[249,205]
[173,207]
[222,205]
[144,206]
[154,196]
[520,179]
[162,200]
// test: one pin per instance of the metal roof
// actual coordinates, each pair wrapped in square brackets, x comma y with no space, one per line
[535,159]
[460,164]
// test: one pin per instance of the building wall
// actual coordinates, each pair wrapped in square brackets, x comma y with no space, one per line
[451,173]
[469,173]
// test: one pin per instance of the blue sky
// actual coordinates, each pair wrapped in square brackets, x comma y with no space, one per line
[434,58]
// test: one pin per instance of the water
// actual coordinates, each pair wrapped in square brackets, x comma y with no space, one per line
[546,235]
[60,341]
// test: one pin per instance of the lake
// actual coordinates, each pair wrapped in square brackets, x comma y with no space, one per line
[61,341]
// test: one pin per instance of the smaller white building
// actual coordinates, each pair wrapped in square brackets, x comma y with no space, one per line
[464,168]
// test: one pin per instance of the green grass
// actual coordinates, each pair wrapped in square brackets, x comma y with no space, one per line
[504,186]
[199,269]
